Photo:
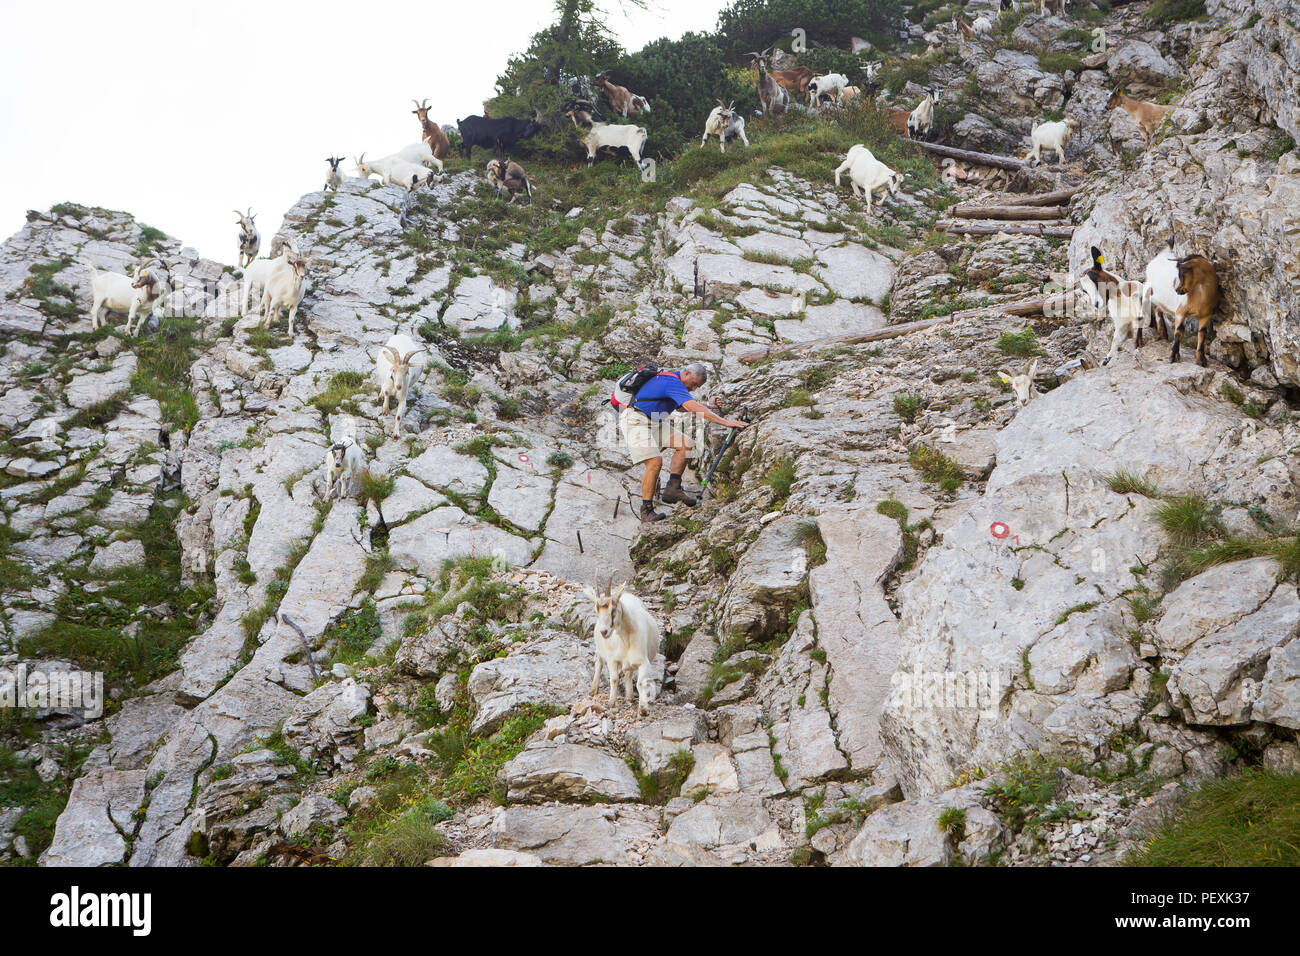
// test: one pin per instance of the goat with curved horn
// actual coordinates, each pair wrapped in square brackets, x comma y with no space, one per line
[396,373]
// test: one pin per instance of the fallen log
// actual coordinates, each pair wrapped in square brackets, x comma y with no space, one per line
[876,335]
[970,156]
[1011,228]
[1054,198]
[971,211]
[1021,307]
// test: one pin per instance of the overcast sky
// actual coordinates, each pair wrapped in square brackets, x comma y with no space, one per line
[179,113]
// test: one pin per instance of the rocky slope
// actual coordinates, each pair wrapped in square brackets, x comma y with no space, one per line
[907,600]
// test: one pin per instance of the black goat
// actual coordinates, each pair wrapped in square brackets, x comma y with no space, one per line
[498,135]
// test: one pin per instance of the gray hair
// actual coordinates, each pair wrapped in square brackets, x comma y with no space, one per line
[697,369]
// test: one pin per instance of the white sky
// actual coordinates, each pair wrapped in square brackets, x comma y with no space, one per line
[180,113]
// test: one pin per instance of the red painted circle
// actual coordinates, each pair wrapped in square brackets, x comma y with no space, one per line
[999,529]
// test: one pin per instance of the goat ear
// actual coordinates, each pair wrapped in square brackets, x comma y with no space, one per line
[619,593]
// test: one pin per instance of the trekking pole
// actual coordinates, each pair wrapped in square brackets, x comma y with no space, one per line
[744,417]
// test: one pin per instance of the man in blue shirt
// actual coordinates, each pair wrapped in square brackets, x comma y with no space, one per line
[648,429]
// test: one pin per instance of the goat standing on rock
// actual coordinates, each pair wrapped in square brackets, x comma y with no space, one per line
[397,373]
[627,640]
[344,464]
[1199,282]
[250,241]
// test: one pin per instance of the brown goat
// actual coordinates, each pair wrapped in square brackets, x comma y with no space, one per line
[1148,116]
[620,97]
[795,82]
[898,119]
[433,134]
[1200,283]
[508,179]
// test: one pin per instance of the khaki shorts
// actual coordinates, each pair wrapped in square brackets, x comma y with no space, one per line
[647,438]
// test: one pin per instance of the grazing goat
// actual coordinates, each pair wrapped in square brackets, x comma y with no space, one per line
[284,287]
[614,136]
[1051,135]
[1121,299]
[982,25]
[724,122]
[250,241]
[433,134]
[1148,116]
[335,178]
[830,83]
[1022,384]
[499,135]
[620,97]
[849,94]
[867,174]
[397,372]
[773,100]
[921,120]
[344,463]
[1199,282]
[627,640]
[508,178]
[112,291]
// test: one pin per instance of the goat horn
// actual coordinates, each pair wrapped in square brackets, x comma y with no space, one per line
[392,351]
[407,359]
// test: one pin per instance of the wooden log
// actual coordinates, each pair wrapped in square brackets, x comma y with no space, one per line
[876,335]
[1055,198]
[1011,228]
[970,156]
[1020,307]
[971,211]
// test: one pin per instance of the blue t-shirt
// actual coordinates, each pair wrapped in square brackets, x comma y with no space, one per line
[662,395]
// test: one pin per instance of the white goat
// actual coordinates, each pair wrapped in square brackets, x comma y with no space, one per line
[1163,301]
[334,179]
[627,640]
[830,83]
[249,239]
[982,24]
[1051,135]
[419,153]
[613,136]
[394,171]
[284,287]
[344,463]
[112,291]
[921,119]
[724,122]
[397,372]
[1123,300]
[868,174]
[1022,384]
[256,274]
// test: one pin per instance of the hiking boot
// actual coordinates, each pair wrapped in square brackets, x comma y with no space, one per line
[674,493]
[648,512]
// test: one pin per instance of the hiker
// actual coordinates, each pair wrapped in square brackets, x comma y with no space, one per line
[648,429]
